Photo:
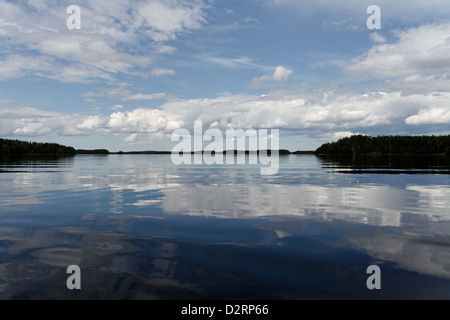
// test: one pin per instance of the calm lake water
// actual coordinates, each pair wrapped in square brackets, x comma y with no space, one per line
[140,227]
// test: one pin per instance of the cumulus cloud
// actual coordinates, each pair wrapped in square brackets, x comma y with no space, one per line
[338,113]
[425,49]
[410,85]
[323,114]
[131,139]
[342,134]
[90,124]
[280,74]
[26,121]
[430,116]
[143,121]
[309,112]
[416,64]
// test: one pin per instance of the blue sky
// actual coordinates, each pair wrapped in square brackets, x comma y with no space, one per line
[138,70]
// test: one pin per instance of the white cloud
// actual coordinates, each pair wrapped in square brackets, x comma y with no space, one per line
[313,114]
[431,116]
[163,20]
[102,49]
[377,38]
[69,58]
[90,124]
[336,112]
[280,74]
[32,129]
[16,65]
[117,93]
[140,97]
[141,121]
[131,139]
[165,49]
[342,134]
[25,121]
[157,72]
[418,50]
[425,84]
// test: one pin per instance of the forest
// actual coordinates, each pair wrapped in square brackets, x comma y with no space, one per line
[387,145]
[23,148]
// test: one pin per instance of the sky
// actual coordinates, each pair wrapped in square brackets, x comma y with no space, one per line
[134,71]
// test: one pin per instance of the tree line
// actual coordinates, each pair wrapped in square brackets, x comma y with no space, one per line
[354,145]
[403,145]
[22,148]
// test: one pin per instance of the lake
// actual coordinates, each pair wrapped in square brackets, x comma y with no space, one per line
[141,227]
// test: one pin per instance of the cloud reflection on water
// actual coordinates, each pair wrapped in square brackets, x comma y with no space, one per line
[407,221]
[233,192]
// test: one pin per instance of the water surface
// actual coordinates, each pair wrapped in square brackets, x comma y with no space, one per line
[140,227]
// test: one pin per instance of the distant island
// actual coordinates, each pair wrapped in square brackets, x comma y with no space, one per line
[387,145]
[19,148]
[354,145]
[281,152]
[95,151]
[23,148]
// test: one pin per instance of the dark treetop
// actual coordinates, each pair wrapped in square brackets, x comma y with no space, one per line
[18,148]
[384,145]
